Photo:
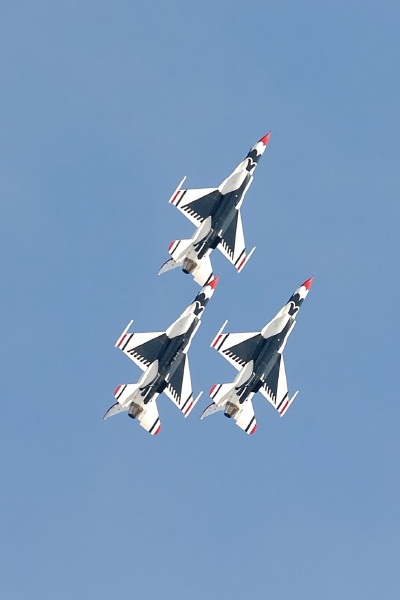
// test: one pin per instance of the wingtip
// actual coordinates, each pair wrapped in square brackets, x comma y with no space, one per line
[176,192]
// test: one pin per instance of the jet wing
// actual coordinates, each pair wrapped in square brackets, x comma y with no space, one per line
[275,388]
[196,204]
[179,388]
[142,348]
[232,243]
[237,348]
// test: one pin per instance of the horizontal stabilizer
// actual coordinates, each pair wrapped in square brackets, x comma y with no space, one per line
[179,248]
[129,400]
[125,394]
[221,392]
[149,418]
[246,419]
[243,414]
[203,273]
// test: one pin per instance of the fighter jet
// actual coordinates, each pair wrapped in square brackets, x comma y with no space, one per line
[216,214]
[163,358]
[259,359]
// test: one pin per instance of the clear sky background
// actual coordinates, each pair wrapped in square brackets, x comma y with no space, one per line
[104,107]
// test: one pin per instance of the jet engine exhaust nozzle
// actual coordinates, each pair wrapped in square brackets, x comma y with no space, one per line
[189,265]
[231,410]
[135,410]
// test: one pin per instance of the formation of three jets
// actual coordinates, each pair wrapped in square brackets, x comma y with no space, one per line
[163,355]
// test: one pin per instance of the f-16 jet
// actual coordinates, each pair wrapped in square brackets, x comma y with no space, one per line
[163,358]
[259,359]
[216,214]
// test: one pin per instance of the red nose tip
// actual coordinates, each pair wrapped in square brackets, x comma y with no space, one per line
[214,282]
[265,139]
[307,284]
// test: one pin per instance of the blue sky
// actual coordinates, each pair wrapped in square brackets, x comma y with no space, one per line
[104,108]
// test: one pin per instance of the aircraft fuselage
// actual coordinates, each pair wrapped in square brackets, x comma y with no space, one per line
[265,357]
[170,356]
[223,213]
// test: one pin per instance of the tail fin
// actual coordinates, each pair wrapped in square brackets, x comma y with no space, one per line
[114,410]
[210,410]
[168,266]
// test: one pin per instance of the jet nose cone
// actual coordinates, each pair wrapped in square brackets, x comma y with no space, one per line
[265,139]
[307,284]
[213,282]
